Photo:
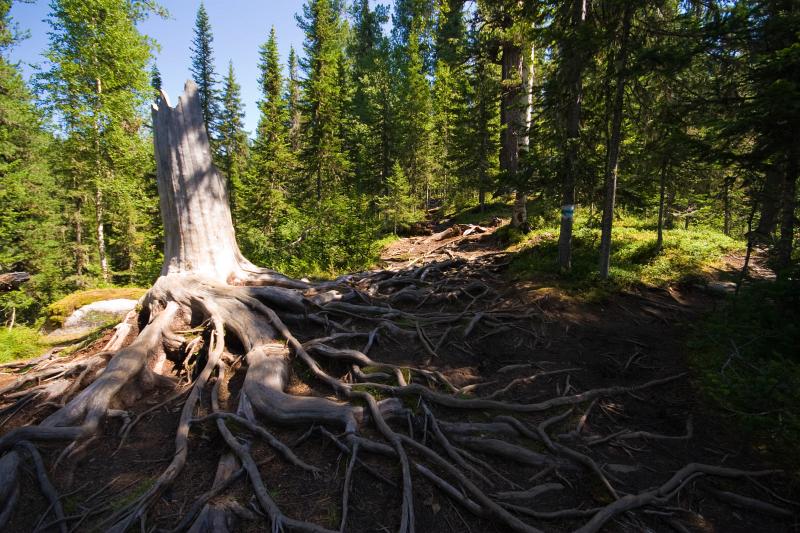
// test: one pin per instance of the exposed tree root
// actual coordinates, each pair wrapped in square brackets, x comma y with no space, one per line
[246,349]
[93,388]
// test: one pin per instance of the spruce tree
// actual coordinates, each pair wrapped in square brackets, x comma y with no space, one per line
[155,81]
[232,137]
[372,101]
[203,73]
[293,101]
[325,162]
[415,125]
[31,219]
[263,206]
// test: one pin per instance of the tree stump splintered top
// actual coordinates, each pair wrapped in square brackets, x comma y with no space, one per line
[198,228]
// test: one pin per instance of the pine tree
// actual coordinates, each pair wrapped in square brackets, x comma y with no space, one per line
[397,205]
[155,81]
[415,124]
[233,148]
[323,156]
[372,101]
[264,207]
[203,73]
[31,221]
[449,94]
[293,102]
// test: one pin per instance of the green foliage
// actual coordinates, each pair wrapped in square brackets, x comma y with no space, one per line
[746,360]
[325,162]
[686,255]
[21,342]
[203,71]
[232,142]
[397,206]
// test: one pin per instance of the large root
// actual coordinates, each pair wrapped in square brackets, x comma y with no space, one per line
[459,458]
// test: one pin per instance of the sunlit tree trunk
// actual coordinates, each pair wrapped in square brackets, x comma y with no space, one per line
[612,161]
[574,87]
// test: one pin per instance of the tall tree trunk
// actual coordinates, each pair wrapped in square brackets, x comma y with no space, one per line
[519,212]
[101,238]
[98,198]
[615,140]
[574,82]
[509,116]
[786,240]
[662,186]
[79,256]
[726,200]
[770,199]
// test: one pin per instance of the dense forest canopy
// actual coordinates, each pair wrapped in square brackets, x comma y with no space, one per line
[682,111]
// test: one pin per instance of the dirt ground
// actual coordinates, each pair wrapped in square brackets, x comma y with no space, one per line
[628,339]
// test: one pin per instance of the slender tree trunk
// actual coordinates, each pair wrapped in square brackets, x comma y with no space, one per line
[662,187]
[101,238]
[612,161]
[79,257]
[98,196]
[574,82]
[726,200]
[786,240]
[519,213]
[770,199]
[511,72]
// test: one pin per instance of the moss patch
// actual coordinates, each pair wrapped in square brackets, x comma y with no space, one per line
[58,311]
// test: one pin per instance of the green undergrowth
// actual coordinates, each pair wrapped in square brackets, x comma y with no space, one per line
[58,311]
[747,363]
[21,342]
[473,215]
[686,255]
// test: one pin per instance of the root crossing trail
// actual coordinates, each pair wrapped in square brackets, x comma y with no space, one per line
[431,395]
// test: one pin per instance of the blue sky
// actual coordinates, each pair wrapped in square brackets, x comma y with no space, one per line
[239,26]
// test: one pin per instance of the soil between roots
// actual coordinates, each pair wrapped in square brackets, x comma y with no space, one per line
[627,339]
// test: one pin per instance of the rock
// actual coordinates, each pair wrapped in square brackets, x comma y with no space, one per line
[92,316]
[721,288]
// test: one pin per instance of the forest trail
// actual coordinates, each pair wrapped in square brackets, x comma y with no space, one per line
[523,342]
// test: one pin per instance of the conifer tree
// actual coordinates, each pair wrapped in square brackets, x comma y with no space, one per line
[415,124]
[97,83]
[325,162]
[203,72]
[155,81]
[449,93]
[263,205]
[372,100]
[31,220]
[293,102]
[232,137]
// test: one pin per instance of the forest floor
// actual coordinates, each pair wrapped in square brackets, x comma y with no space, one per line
[628,338]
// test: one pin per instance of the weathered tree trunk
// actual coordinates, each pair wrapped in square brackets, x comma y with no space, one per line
[612,161]
[574,85]
[519,213]
[198,228]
